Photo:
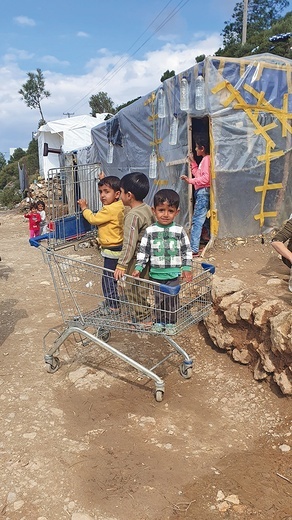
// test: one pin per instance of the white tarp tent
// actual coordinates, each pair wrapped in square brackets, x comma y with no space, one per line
[68,134]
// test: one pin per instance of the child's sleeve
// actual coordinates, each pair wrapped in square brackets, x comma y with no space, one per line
[186,252]
[96,219]
[143,254]
[203,179]
[131,235]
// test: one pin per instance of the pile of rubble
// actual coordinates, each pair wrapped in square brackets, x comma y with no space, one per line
[254,330]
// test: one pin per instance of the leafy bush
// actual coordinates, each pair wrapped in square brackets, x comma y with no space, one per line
[9,197]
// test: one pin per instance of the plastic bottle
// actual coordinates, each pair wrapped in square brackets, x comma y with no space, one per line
[290,280]
[110,153]
[173,130]
[161,109]
[184,94]
[200,100]
[153,165]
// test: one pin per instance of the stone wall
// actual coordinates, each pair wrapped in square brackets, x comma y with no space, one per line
[253,329]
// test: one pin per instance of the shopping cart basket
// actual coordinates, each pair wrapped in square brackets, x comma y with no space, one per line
[78,285]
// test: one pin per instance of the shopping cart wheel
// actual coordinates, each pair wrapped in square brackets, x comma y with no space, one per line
[185,370]
[53,365]
[103,334]
[159,395]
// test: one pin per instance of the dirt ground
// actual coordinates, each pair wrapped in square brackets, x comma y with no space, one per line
[90,441]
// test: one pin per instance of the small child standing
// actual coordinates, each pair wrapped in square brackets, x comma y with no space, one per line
[41,209]
[34,220]
[109,221]
[166,245]
[134,188]
[201,183]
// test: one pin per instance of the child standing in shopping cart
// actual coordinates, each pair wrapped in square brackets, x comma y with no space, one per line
[134,188]
[166,246]
[110,221]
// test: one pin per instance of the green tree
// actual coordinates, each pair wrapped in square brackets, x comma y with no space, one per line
[9,174]
[100,103]
[17,155]
[200,58]
[166,75]
[261,15]
[33,91]
[258,42]
[2,160]
[10,196]
[119,107]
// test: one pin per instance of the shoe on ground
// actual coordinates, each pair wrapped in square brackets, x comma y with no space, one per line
[157,327]
[170,329]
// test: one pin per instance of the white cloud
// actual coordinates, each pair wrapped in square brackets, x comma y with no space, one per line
[82,34]
[52,60]
[24,20]
[122,77]
[17,54]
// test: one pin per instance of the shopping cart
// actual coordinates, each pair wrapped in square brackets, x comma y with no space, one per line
[78,285]
[134,304]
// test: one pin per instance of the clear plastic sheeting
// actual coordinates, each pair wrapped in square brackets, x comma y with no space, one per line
[247,116]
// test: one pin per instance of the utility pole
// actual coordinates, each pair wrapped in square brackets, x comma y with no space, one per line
[68,114]
[244,21]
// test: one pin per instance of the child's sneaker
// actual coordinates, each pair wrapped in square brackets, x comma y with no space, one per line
[157,327]
[104,310]
[170,329]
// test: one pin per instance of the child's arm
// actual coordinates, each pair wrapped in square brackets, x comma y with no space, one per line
[194,168]
[82,203]
[186,254]
[203,178]
[143,255]
[131,235]
[96,219]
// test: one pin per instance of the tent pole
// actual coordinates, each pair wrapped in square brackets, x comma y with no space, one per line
[190,186]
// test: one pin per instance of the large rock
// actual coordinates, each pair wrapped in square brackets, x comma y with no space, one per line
[253,330]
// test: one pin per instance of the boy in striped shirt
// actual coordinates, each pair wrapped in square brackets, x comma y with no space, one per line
[166,246]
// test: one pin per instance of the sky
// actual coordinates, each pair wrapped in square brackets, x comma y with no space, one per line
[82,48]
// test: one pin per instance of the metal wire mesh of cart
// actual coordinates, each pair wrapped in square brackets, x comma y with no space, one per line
[89,296]
[65,186]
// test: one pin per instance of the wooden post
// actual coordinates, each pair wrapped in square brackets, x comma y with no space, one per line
[244,21]
[190,186]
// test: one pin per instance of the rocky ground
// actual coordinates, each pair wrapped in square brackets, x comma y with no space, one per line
[90,441]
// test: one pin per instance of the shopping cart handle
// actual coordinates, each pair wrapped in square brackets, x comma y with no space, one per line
[208,267]
[36,240]
[167,289]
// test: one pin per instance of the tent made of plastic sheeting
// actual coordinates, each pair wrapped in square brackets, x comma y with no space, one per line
[68,134]
[245,111]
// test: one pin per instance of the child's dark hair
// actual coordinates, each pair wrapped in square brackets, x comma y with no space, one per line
[202,141]
[169,196]
[112,181]
[33,205]
[137,183]
[42,203]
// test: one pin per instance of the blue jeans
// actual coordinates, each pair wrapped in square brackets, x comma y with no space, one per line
[202,205]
